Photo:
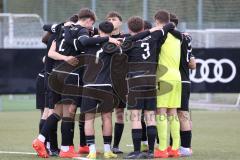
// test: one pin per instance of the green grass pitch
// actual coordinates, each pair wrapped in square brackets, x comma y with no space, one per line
[216,134]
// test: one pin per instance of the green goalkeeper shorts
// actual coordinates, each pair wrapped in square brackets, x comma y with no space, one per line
[171,99]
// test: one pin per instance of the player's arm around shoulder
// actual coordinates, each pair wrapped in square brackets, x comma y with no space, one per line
[159,32]
[57,56]
[53,54]
[192,61]
[138,36]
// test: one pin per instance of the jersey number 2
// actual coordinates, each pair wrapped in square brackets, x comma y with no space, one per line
[61,49]
[147,54]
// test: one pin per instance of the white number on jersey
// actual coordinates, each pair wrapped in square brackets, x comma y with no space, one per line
[147,54]
[98,55]
[61,45]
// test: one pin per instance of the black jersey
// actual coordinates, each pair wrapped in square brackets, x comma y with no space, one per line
[143,50]
[116,35]
[49,62]
[65,42]
[53,29]
[72,34]
[186,54]
[82,39]
[146,50]
[120,35]
[103,78]
[62,47]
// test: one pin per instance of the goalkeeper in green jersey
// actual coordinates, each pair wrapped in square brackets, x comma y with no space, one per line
[167,104]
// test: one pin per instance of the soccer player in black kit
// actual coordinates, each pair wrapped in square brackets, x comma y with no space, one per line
[52,121]
[144,52]
[116,19]
[59,110]
[40,91]
[63,49]
[91,105]
[51,141]
[79,42]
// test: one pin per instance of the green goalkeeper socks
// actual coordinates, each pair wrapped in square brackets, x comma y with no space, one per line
[175,131]
[162,131]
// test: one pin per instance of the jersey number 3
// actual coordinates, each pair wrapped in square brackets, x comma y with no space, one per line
[147,54]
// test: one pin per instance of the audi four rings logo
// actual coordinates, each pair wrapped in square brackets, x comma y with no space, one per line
[217,71]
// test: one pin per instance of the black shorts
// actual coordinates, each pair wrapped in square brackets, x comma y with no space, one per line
[186,88]
[76,80]
[49,99]
[143,102]
[121,103]
[48,95]
[68,98]
[57,98]
[148,104]
[40,92]
[142,92]
[92,104]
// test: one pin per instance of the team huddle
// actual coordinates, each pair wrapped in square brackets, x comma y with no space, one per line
[102,70]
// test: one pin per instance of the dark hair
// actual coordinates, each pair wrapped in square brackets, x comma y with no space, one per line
[162,16]
[147,25]
[74,18]
[135,24]
[174,18]
[86,13]
[106,27]
[112,14]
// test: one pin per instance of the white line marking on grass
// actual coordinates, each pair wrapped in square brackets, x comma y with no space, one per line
[31,153]
[26,153]
[129,145]
[81,158]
